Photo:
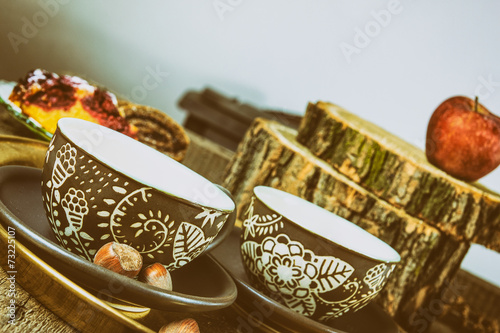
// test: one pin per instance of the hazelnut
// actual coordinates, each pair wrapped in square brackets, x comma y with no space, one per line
[119,258]
[188,325]
[156,275]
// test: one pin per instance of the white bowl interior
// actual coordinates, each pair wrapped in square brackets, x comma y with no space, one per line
[326,224]
[144,164]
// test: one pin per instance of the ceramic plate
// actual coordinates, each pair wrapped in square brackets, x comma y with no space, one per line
[5,90]
[202,285]
[263,311]
[17,150]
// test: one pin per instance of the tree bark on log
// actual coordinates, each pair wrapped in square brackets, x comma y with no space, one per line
[399,173]
[270,155]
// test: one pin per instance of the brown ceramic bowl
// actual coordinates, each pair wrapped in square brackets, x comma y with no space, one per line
[311,260]
[99,185]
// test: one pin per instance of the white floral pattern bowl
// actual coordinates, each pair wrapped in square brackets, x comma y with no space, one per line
[99,185]
[311,260]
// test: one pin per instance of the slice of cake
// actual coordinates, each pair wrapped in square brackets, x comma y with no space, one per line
[47,97]
[156,129]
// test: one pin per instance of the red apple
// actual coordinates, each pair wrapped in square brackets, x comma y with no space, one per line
[463,139]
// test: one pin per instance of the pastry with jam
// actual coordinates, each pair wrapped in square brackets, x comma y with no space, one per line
[47,97]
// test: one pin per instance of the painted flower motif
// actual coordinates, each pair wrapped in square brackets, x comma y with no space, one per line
[209,215]
[375,277]
[256,224]
[295,273]
[249,225]
[64,165]
[286,268]
[75,206]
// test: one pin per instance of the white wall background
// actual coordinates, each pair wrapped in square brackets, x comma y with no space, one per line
[274,54]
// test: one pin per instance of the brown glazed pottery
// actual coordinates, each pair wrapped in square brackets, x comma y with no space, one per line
[99,185]
[309,259]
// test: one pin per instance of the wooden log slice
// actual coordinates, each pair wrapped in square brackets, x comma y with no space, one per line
[399,173]
[156,129]
[270,155]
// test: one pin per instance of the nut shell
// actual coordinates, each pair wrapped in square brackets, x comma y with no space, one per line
[119,258]
[187,325]
[156,275]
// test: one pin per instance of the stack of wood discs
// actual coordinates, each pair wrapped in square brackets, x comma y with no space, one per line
[379,182]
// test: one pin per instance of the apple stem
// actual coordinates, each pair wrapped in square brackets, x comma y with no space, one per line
[475,103]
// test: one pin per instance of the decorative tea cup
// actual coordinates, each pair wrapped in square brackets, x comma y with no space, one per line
[99,185]
[311,260]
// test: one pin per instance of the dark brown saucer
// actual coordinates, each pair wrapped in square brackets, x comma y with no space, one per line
[261,313]
[202,285]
